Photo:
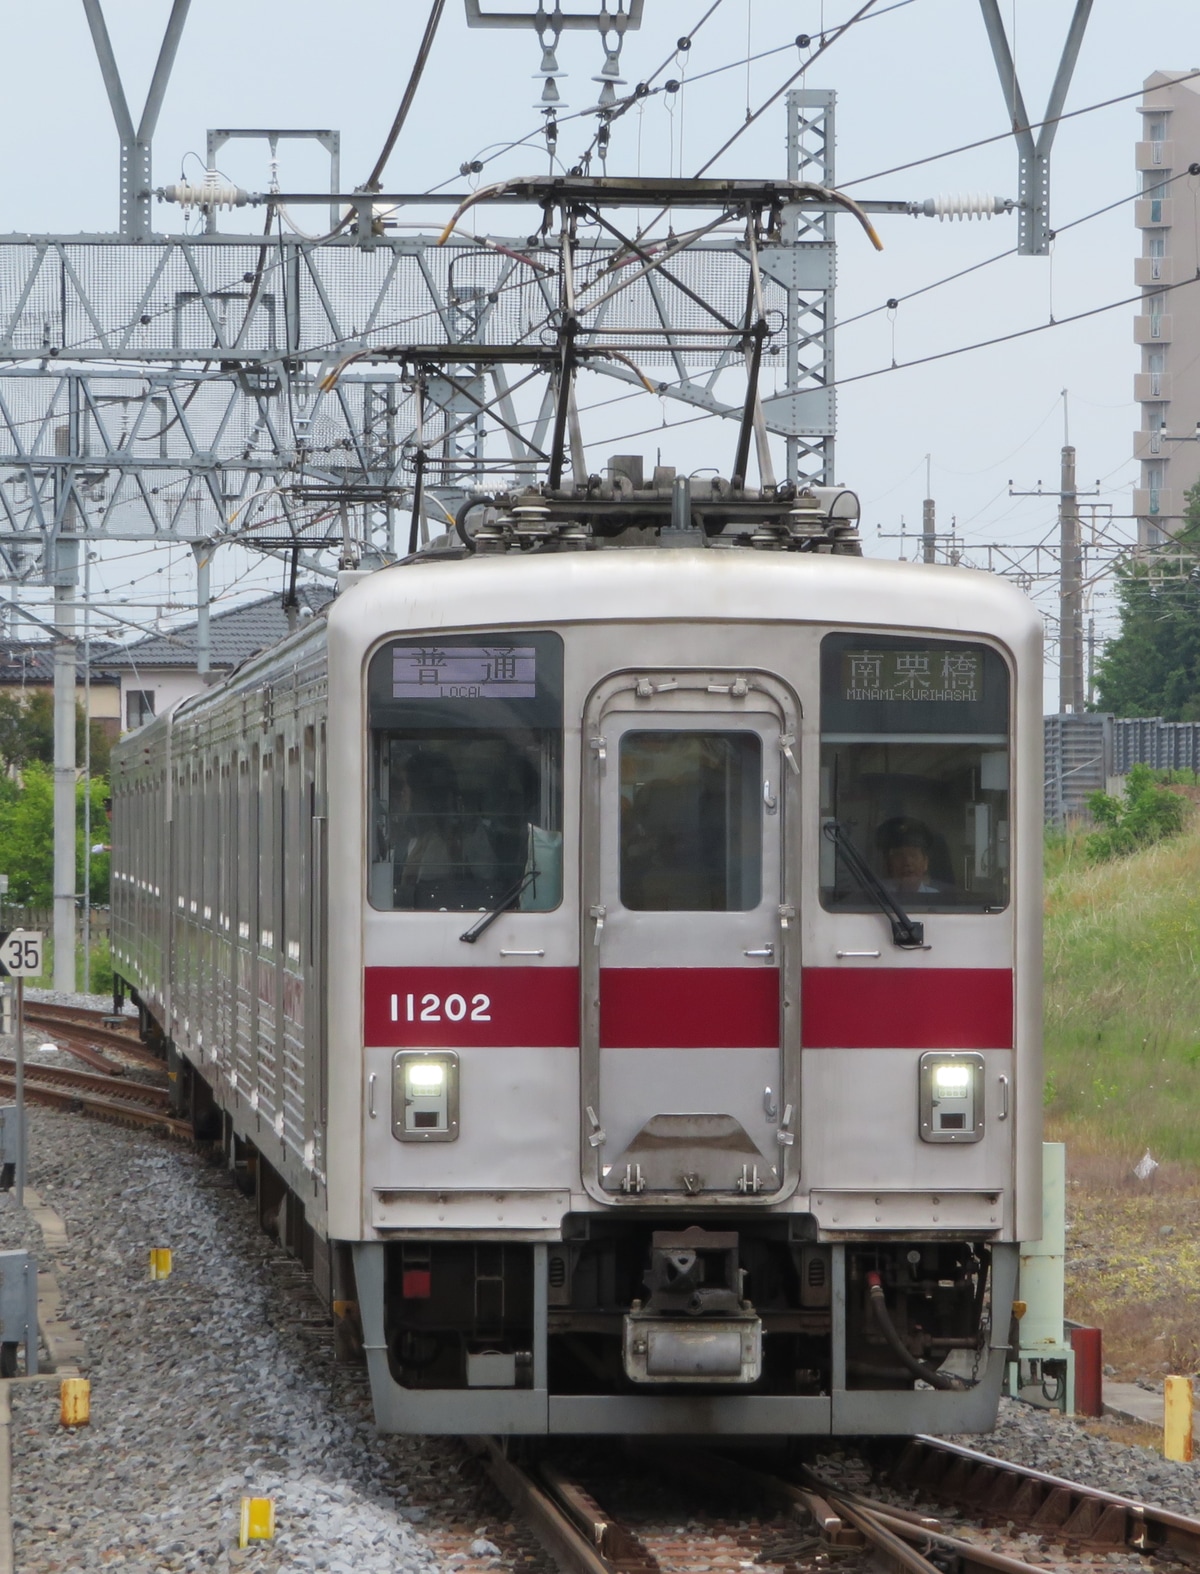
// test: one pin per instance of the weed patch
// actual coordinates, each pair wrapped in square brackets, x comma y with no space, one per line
[1122,1004]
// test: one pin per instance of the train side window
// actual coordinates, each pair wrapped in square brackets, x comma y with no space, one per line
[466,773]
[691,821]
[915,771]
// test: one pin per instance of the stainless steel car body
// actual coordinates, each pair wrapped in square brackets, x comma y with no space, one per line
[241,919]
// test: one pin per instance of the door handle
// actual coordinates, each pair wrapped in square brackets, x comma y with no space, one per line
[762,950]
[770,801]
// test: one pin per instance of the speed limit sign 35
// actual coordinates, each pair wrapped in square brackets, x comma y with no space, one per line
[20,953]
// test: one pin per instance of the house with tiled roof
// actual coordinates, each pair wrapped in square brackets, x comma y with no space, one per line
[27,667]
[160,670]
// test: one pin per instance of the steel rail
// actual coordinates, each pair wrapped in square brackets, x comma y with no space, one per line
[83,1018]
[568,1543]
[90,1082]
[1065,1510]
[80,1024]
[77,1096]
[883,1538]
[892,1535]
[992,1489]
[90,1057]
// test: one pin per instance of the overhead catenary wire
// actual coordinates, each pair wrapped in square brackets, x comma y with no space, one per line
[647,83]
[999,256]
[1003,136]
[1005,338]
[999,339]
[826,42]
[372,182]
[535,135]
[941,355]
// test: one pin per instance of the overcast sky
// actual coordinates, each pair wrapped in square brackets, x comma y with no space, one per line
[913,81]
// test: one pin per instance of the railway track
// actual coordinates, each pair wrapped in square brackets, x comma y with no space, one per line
[575,1521]
[89,1034]
[997,1492]
[604,1510]
[112,1098]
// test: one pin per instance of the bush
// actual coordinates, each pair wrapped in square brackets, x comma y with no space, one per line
[1146,813]
[27,836]
[101,969]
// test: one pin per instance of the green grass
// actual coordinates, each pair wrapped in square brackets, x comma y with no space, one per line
[1123,998]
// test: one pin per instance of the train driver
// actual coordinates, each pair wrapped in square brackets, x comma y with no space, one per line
[907,845]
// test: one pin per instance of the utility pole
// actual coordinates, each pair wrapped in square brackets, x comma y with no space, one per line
[64,574]
[928,522]
[1071,680]
[1070,591]
[1091,657]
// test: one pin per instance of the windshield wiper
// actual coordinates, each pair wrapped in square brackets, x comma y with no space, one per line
[510,899]
[906,932]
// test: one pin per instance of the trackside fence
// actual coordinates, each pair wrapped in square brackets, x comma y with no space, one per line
[1084,754]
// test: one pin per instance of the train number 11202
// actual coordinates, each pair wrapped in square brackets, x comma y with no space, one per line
[439,1008]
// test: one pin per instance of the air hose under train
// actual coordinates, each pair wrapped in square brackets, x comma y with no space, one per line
[899,1349]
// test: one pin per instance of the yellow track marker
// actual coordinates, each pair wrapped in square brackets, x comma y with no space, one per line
[257,1521]
[160,1262]
[75,1401]
[1177,1418]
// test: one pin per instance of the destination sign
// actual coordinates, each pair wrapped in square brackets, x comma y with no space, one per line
[463,672]
[948,676]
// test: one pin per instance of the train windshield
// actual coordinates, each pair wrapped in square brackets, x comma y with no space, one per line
[466,773]
[915,772]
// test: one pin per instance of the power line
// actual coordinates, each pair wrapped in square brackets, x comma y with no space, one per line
[640,93]
[828,37]
[1005,338]
[1084,218]
[1003,136]
[827,42]
[638,96]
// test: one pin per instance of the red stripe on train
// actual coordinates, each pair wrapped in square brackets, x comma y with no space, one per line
[460,1007]
[689,1008]
[903,1008]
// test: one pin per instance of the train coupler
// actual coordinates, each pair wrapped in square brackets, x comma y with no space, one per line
[694,1327]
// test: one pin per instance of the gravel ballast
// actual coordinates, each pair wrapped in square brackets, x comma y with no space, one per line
[205,1389]
[211,1385]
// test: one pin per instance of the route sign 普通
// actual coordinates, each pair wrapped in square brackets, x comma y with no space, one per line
[20,953]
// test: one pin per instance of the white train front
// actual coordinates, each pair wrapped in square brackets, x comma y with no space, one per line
[619,971]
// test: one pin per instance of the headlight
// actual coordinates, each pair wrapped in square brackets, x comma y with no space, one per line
[951,1097]
[426,1074]
[425,1096]
[952,1080]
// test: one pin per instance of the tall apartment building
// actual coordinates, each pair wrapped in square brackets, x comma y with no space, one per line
[1168,325]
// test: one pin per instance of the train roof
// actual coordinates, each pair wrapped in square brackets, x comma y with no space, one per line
[688,584]
[652,585]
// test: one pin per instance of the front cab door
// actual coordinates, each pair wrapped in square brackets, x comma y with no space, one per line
[690,1027]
